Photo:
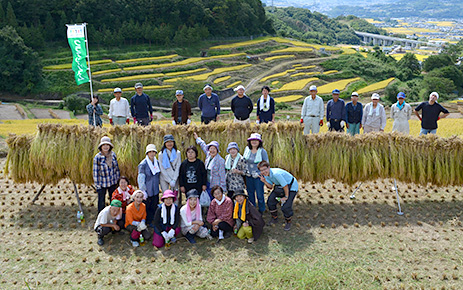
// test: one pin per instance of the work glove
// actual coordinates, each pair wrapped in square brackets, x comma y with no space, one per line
[135,223]
[141,226]
[321,123]
[302,120]
[188,122]
[134,120]
[171,233]
[151,117]
[174,123]
[257,122]
[127,121]
[343,124]
[111,121]
[328,125]
[165,236]
[172,183]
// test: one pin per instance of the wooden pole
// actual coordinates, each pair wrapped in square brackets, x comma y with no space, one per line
[38,194]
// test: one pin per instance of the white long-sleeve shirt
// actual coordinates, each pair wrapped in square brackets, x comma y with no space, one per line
[374,120]
[119,108]
[313,107]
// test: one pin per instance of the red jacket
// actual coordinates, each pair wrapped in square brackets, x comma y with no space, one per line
[118,195]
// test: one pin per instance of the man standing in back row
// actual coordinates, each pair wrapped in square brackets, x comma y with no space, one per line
[209,104]
[241,106]
[119,109]
[140,106]
[336,113]
[354,114]
[312,112]
[430,115]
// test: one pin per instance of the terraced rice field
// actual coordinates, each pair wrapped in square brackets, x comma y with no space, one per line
[296,85]
[376,86]
[277,75]
[340,85]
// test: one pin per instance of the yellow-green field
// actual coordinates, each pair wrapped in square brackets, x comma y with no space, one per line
[376,86]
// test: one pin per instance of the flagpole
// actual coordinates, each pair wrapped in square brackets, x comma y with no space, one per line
[89,71]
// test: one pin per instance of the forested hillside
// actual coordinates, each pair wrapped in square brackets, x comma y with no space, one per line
[161,22]
[315,27]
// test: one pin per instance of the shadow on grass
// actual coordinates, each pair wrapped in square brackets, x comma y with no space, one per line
[307,218]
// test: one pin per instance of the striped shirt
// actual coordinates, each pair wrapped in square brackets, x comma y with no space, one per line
[104,175]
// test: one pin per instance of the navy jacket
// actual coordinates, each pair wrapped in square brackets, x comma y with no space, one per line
[140,106]
[354,116]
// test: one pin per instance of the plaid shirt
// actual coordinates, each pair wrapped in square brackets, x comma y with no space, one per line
[103,175]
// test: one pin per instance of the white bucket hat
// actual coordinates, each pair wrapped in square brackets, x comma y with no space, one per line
[151,147]
[105,140]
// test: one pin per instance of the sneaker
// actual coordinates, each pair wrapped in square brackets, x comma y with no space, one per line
[273,221]
[251,240]
[190,239]
[100,242]
[287,226]
[135,244]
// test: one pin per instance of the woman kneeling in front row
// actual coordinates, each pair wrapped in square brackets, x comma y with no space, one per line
[248,221]
[192,221]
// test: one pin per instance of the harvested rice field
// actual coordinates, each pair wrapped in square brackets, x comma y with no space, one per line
[335,243]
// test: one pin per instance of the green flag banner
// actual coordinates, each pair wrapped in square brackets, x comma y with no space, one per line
[76,39]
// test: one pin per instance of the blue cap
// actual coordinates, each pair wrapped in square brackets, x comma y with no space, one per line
[178,92]
[401,95]
[336,91]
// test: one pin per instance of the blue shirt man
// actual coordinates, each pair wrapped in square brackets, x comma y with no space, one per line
[354,114]
[336,112]
[279,177]
[209,104]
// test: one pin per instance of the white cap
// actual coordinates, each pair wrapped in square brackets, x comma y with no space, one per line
[435,94]
[355,94]
[207,87]
[313,88]
[239,87]
[151,147]
[118,90]
[375,96]
[138,85]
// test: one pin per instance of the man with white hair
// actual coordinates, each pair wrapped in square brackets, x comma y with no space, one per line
[241,106]
[119,109]
[374,116]
[430,114]
[312,112]
[209,104]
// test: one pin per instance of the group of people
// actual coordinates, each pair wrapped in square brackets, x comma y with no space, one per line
[140,109]
[372,117]
[220,192]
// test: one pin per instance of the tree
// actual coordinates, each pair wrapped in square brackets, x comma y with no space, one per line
[50,27]
[409,67]
[10,16]
[2,15]
[449,72]
[445,87]
[20,67]
[437,61]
